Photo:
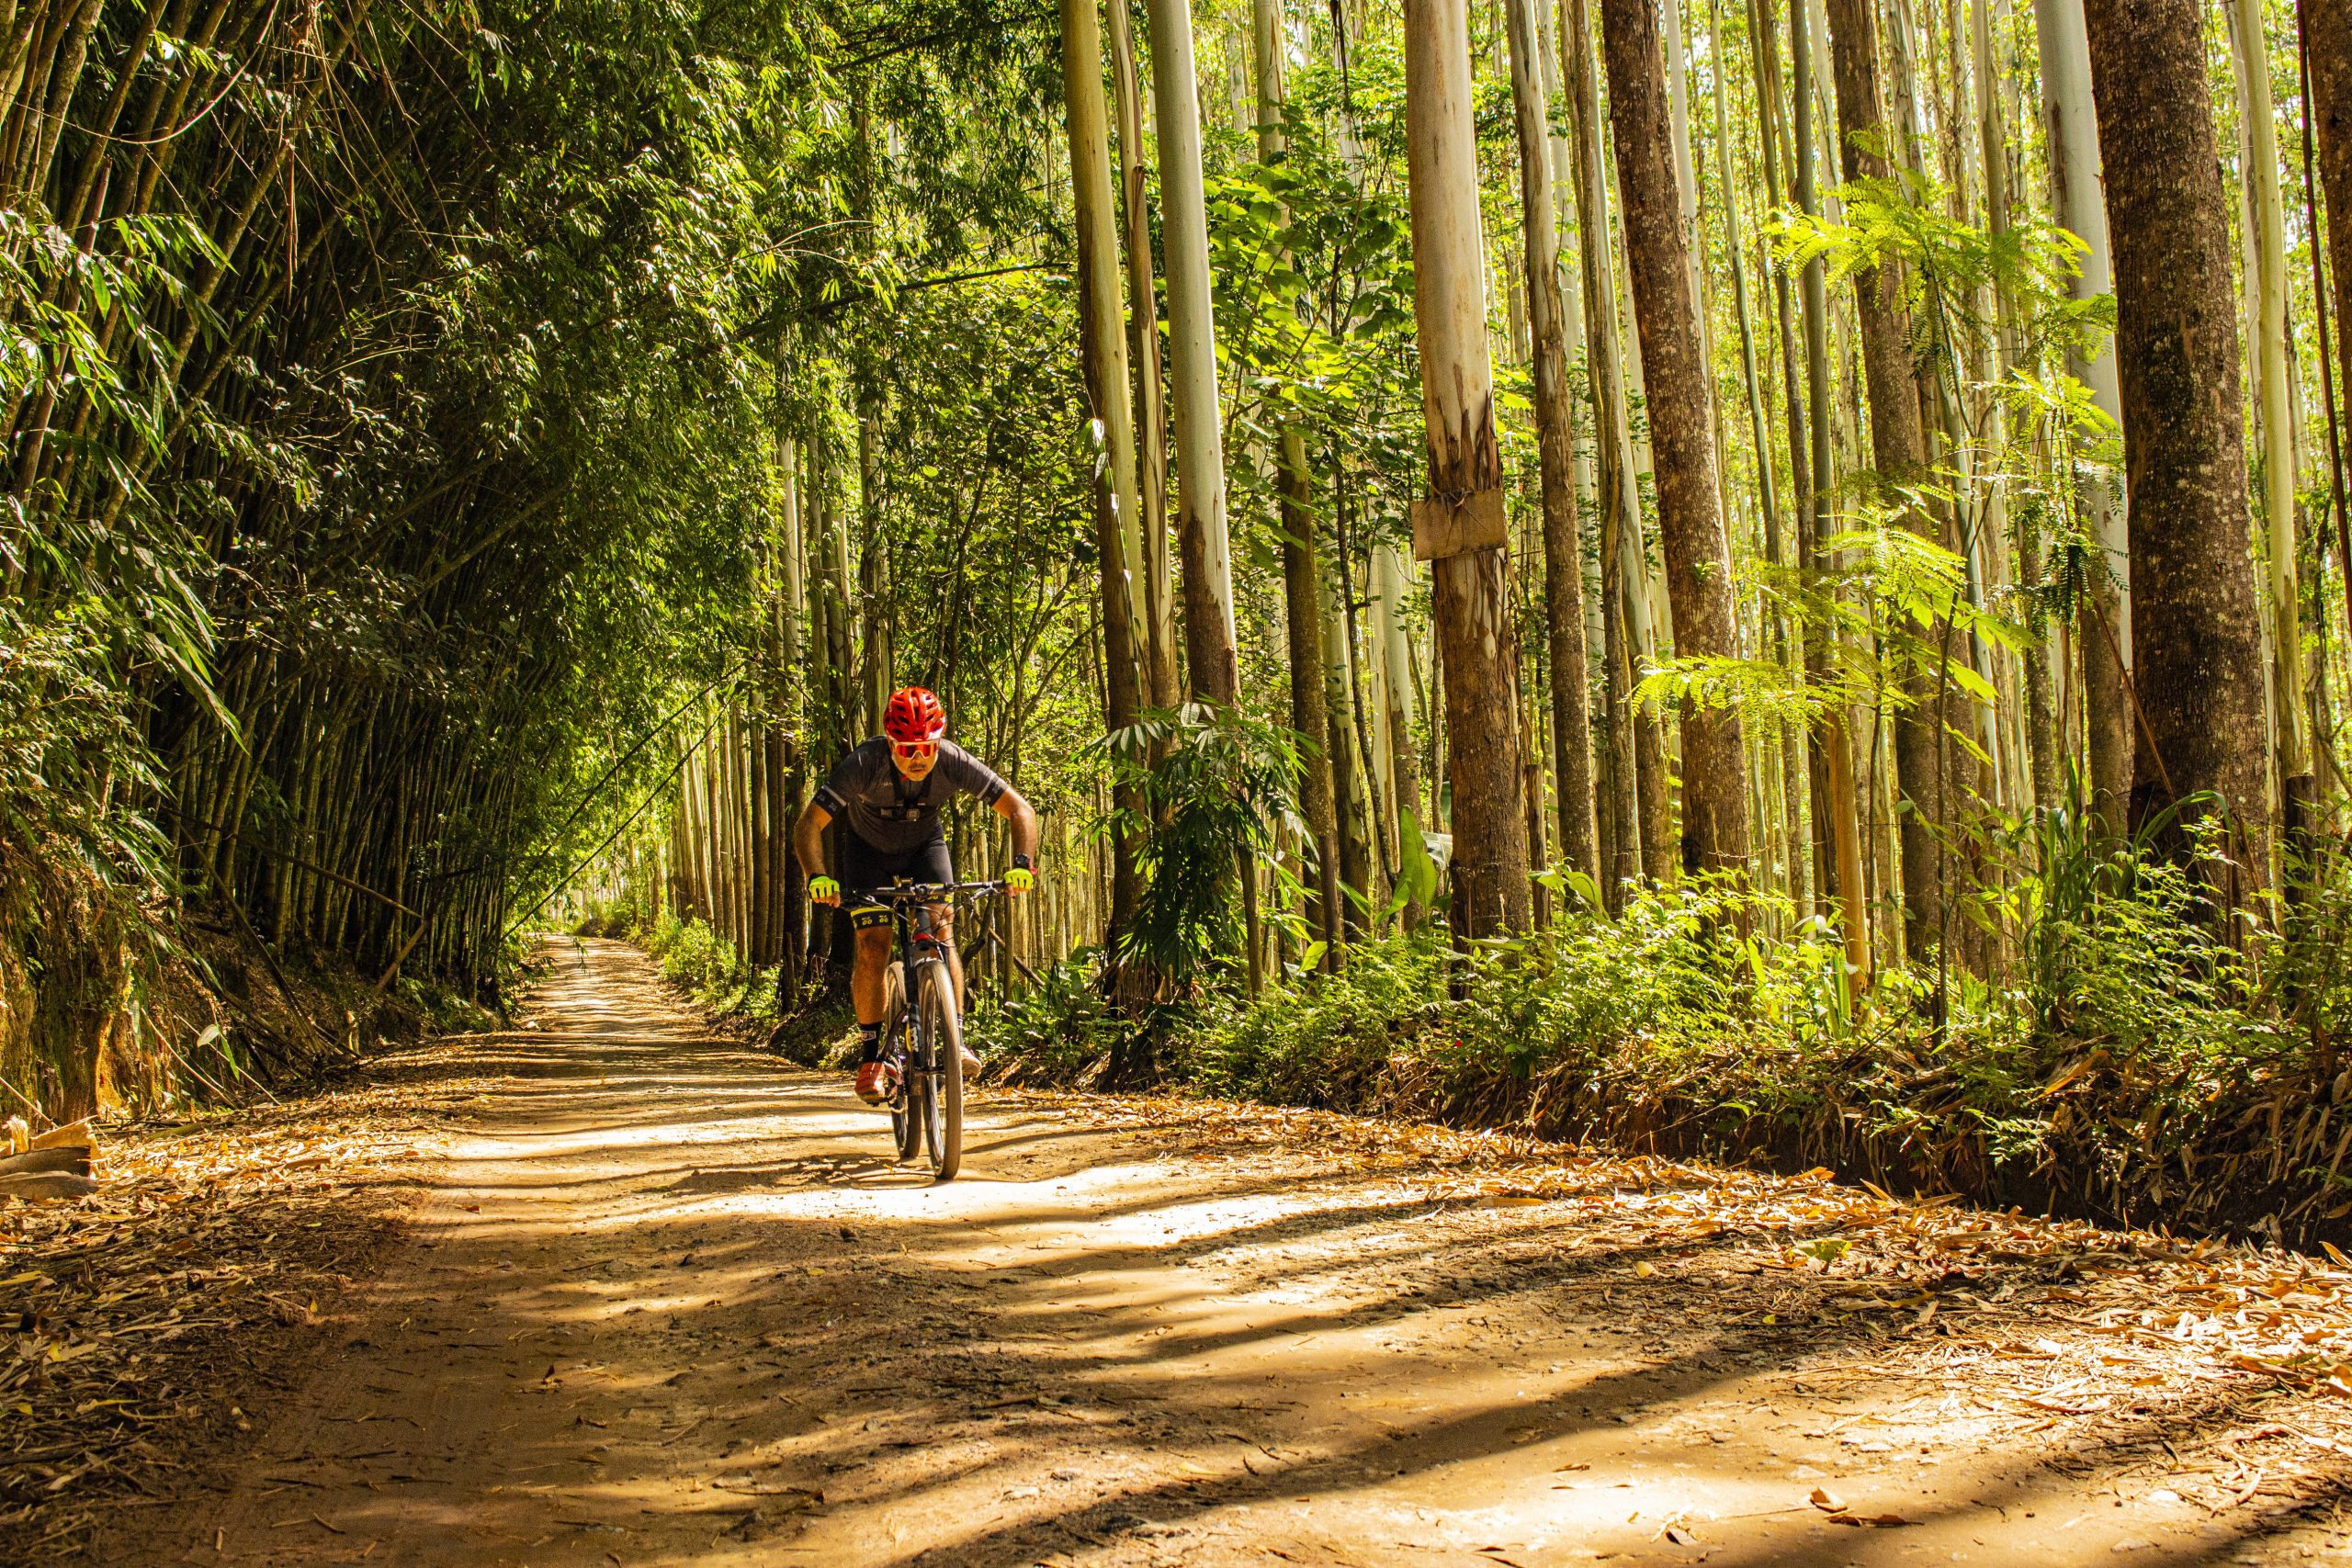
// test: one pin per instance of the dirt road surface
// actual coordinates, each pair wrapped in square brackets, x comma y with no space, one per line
[665,1301]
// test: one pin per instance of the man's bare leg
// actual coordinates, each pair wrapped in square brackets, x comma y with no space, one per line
[867,971]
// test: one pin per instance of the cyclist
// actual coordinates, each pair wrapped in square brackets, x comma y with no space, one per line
[888,792]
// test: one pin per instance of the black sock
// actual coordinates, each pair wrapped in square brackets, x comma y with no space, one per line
[869,1042]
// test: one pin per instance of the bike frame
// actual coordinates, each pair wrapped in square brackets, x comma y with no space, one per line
[922,1067]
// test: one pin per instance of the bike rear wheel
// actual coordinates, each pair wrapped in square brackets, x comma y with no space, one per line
[942,1032]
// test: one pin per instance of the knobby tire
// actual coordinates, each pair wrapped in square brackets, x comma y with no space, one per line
[944,1032]
[907,1111]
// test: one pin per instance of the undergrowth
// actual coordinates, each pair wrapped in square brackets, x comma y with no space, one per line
[2133,1058]
[706,965]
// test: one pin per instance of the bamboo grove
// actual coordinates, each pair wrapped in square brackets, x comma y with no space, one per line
[1359,471]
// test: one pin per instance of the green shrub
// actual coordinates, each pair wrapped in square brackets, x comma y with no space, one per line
[2126,1058]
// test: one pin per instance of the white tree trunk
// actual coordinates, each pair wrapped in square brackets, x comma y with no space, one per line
[1564,178]
[1099,291]
[2266,290]
[1192,328]
[1458,525]
[1391,580]
[2078,200]
[1143,339]
[1678,100]
[1556,421]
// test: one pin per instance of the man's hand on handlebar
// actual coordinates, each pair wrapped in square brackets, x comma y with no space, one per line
[824,890]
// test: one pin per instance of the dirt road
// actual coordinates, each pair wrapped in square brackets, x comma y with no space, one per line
[666,1302]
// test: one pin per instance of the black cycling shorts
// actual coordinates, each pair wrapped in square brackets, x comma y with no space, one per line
[864,866]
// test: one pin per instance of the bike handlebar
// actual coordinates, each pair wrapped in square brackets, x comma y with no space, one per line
[918,892]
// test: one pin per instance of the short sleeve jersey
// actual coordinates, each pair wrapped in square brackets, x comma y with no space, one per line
[895,814]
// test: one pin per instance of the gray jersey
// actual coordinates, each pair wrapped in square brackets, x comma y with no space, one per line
[892,812]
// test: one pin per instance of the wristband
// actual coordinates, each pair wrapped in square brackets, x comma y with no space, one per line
[1023,862]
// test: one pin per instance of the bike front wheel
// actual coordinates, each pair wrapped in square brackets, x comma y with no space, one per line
[943,1030]
[907,1103]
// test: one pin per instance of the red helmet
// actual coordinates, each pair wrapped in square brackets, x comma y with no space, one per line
[914,714]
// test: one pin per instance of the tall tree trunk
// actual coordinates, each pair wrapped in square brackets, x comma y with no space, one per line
[1767,488]
[1301,609]
[1556,425]
[1309,705]
[1395,653]
[1104,345]
[1142,343]
[2078,201]
[2266,289]
[2196,662]
[1899,452]
[1698,555]
[1459,527]
[2327,106]
[2326,32]
[1648,615]
[1801,755]
[1677,55]
[1835,803]
[1620,530]
[1191,357]
[1351,787]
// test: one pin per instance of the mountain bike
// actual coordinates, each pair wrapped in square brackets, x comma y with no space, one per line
[923,1038]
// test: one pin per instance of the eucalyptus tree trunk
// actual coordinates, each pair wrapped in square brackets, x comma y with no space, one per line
[1674,360]
[2327,52]
[1898,446]
[1647,624]
[1143,345]
[1302,606]
[1191,357]
[1766,486]
[2326,34]
[1351,789]
[1676,47]
[1556,425]
[2077,200]
[2197,655]
[1309,691]
[1835,803]
[1572,313]
[1801,755]
[1105,347]
[1993,142]
[2266,290]
[1620,506]
[1459,527]
[1390,578]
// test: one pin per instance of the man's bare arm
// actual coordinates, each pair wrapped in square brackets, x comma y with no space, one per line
[808,838]
[1024,817]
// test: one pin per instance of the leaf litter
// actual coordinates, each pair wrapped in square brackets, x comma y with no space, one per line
[2222,1368]
[141,1317]
[136,1312]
